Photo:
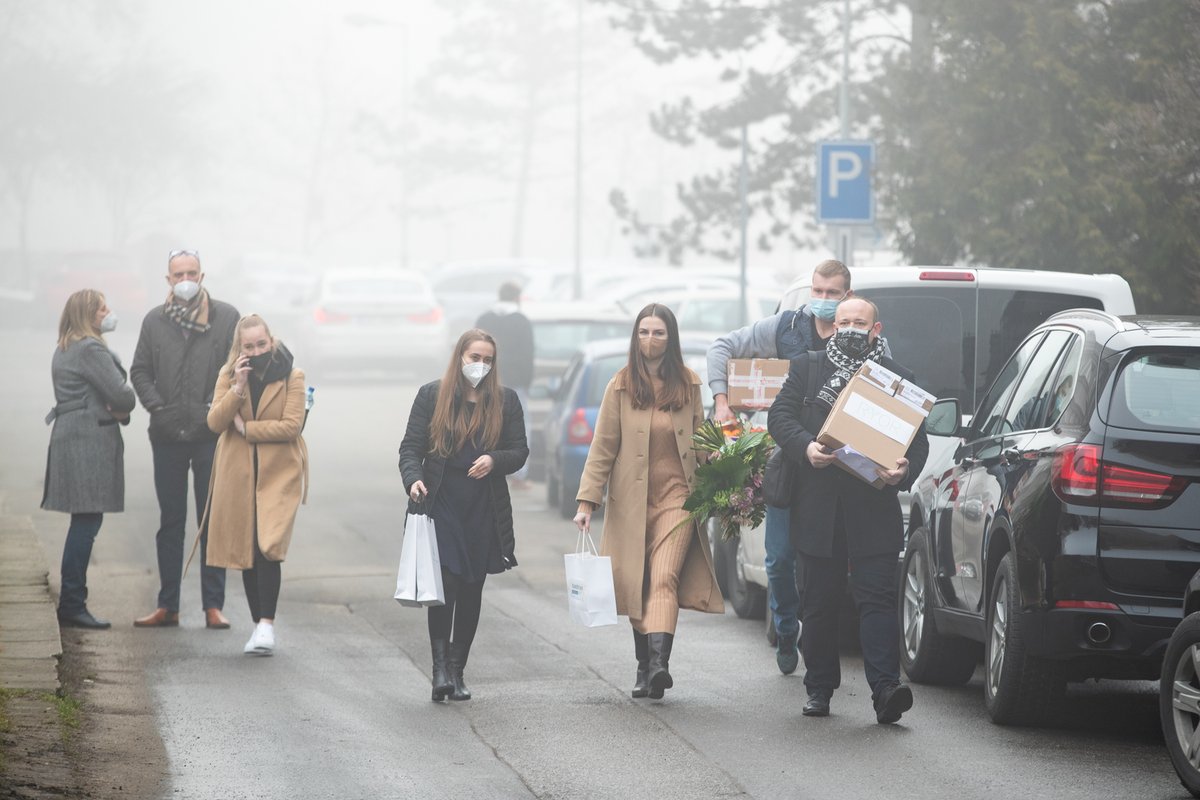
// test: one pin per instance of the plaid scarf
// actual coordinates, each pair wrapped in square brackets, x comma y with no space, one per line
[192,315]
[845,365]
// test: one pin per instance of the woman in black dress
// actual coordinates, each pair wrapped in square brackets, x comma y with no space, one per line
[465,433]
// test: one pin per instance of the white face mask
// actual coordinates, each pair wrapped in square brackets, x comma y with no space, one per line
[109,323]
[475,371]
[186,290]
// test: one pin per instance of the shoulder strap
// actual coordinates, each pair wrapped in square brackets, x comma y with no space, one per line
[814,375]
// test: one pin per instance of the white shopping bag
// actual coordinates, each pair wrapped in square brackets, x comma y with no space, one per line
[419,580]
[591,598]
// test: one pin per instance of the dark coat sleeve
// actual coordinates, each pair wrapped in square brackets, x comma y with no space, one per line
[784,419]
[415,444]
[512,450]
[141,371]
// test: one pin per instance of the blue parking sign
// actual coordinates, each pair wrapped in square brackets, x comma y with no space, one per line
[844,182]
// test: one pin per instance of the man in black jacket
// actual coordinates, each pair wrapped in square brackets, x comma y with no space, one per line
[837,518]
[181,348]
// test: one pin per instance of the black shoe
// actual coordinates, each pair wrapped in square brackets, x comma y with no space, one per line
[660,655]
[787,654]
[641,649]
[892,702]
[443,685]
[817,705]
[458,660]
[83,619]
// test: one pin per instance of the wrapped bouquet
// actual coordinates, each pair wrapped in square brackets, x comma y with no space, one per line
[728,485]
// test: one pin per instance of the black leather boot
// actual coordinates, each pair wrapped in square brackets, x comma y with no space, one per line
[641,648]
[458,660]
[442,684]
[660,654]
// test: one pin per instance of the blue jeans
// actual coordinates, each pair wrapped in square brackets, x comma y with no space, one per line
[171,463]
[781,572]
[873,582]
[77,552]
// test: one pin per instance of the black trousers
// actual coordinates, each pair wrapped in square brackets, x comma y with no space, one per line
[458,619]
[262,584]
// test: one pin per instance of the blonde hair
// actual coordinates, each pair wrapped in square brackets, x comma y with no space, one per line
[832,268]
[79,318]
[235,350]
[452,425]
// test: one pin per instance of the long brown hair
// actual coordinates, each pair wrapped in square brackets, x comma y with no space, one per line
[235,350]
[453,424]
[79,318]
[677,386]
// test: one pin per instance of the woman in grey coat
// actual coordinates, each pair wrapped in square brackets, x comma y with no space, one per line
[85,469]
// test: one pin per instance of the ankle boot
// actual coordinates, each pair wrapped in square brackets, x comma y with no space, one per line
[660,654]
[458,660]
[641,648]
[442,683]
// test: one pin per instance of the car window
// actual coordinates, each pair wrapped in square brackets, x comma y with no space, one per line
[990,417]
[560,339]
[1066,380]
[599,375]
[373,287]
[766,308]
[716,314]
[1032,395]
[931,330]
[1007,316]
[1158,391]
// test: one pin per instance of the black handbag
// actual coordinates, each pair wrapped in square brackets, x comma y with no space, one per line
[779,479]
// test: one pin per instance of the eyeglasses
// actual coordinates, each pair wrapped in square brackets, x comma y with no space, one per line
[174,253]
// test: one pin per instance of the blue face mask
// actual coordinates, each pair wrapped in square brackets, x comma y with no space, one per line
[825,309]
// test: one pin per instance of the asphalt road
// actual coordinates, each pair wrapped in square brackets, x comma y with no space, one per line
[342,710]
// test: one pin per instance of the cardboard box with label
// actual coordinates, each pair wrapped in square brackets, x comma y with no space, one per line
[754,382]
[874,421]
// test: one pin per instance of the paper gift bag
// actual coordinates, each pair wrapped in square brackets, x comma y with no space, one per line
[419,579]
[591,598]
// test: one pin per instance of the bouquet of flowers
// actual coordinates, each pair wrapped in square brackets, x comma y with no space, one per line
[728,485]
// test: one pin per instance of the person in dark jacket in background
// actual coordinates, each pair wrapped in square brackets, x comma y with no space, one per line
[838,518]
[465,433]
[85,468]
[513,333]
[182,346]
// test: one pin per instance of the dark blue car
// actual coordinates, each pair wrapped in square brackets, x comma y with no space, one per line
[572,419]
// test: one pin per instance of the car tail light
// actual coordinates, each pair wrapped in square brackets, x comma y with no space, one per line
[578,429]
[323,316]
[430,317]
[1082,476]
[946,275]
[1095,605]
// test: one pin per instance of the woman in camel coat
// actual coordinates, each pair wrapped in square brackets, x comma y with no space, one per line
[642,450]
[260,472]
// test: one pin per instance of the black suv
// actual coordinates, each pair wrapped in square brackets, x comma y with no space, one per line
[1068,525]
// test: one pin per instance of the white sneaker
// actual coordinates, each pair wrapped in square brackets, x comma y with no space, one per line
[262,641]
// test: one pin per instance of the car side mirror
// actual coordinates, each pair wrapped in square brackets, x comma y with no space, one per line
[945,418]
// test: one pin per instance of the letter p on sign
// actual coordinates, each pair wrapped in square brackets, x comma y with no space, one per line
[844,192]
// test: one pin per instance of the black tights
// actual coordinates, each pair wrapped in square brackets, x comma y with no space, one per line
[262,585]
[461,612]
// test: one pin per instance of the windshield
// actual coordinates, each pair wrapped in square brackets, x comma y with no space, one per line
[558,340]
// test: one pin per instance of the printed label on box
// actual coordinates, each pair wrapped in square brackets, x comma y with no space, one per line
[880,376]
[878,418]
[916,397]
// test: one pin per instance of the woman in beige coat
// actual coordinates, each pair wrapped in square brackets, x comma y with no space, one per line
[643,450]
[260,472]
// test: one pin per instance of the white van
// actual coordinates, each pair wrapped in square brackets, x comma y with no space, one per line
[954,327]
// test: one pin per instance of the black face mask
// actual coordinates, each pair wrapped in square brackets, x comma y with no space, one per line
[260,362]
[853,341]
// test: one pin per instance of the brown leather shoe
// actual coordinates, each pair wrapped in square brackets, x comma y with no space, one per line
[161,618]
[213,618]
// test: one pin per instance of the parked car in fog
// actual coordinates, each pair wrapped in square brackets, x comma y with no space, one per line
[378,319]
[466,289]
[559,331]
[955,328]
[279,287]
[1179,692]
[1065,528]
[572,419]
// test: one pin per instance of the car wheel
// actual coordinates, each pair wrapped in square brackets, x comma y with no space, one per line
[926,655]
[748,600]
[772,634]
[567,505]
[1179,702]
[1018,689]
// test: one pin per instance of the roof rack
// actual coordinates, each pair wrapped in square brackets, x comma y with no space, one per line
[1100,314]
